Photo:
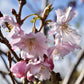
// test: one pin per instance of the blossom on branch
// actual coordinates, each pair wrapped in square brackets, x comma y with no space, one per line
[61,25]
[10,20]
[66,39]
[18,69]
[36,57]
[14,27]
[33,45]
[33,69]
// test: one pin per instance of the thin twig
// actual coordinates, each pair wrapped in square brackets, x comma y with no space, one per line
[9,59]
[6,42]
[5,63]
[1,52]
[4,76]
[70,74]
[18,16]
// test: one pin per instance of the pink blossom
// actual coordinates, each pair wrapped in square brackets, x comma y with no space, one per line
[49,63]
[44,74]
[82,1]
[8,19]
[15,28]
[33,69]
[40,70]
[61,48]
[18,69]
[32,45]
[61,27]
[64,48]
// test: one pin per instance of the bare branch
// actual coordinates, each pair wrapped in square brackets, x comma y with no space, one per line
[6,42]
[69,75]
[4,76]
[18,16]
[1,52]
[80,78]
[5,63]
[9,59]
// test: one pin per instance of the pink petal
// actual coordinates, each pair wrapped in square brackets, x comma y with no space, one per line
[18,69]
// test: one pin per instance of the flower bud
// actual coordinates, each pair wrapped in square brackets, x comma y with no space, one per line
[14,12]
[1,15]
[72,3]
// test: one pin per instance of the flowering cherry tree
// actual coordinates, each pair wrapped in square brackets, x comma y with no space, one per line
[35,62]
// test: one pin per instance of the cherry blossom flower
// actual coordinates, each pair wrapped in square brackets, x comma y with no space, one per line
[15,28]
[8,19]
[32,45]
[64,48]
[61,25]
[62,28]
[40,70]
[33,69]
[61,48]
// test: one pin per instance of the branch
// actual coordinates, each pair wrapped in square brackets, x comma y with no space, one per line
[25,81]
[18,16]
[6,42]
[1,52]
[55,78]
[69,76]
[80,78]
[5,63]
[4,76]
[9,59]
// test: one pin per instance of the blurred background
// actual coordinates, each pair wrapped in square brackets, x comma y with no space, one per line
[63,66]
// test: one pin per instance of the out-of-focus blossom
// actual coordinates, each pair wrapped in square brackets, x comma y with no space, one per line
[63,48]
[46,68]
[8,19]
[18,69]
[82,1]
[15,28]
[61,25]
[32,45]
[69,37]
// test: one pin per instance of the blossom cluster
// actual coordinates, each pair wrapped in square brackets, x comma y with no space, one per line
[36,54]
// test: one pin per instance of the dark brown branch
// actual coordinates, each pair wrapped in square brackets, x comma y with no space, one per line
[55,78]
[6,42]
[2,72]
[5,63]
[4,76]
[45,15]
[70,74]
[1,52]
[18,16]
[9,59]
